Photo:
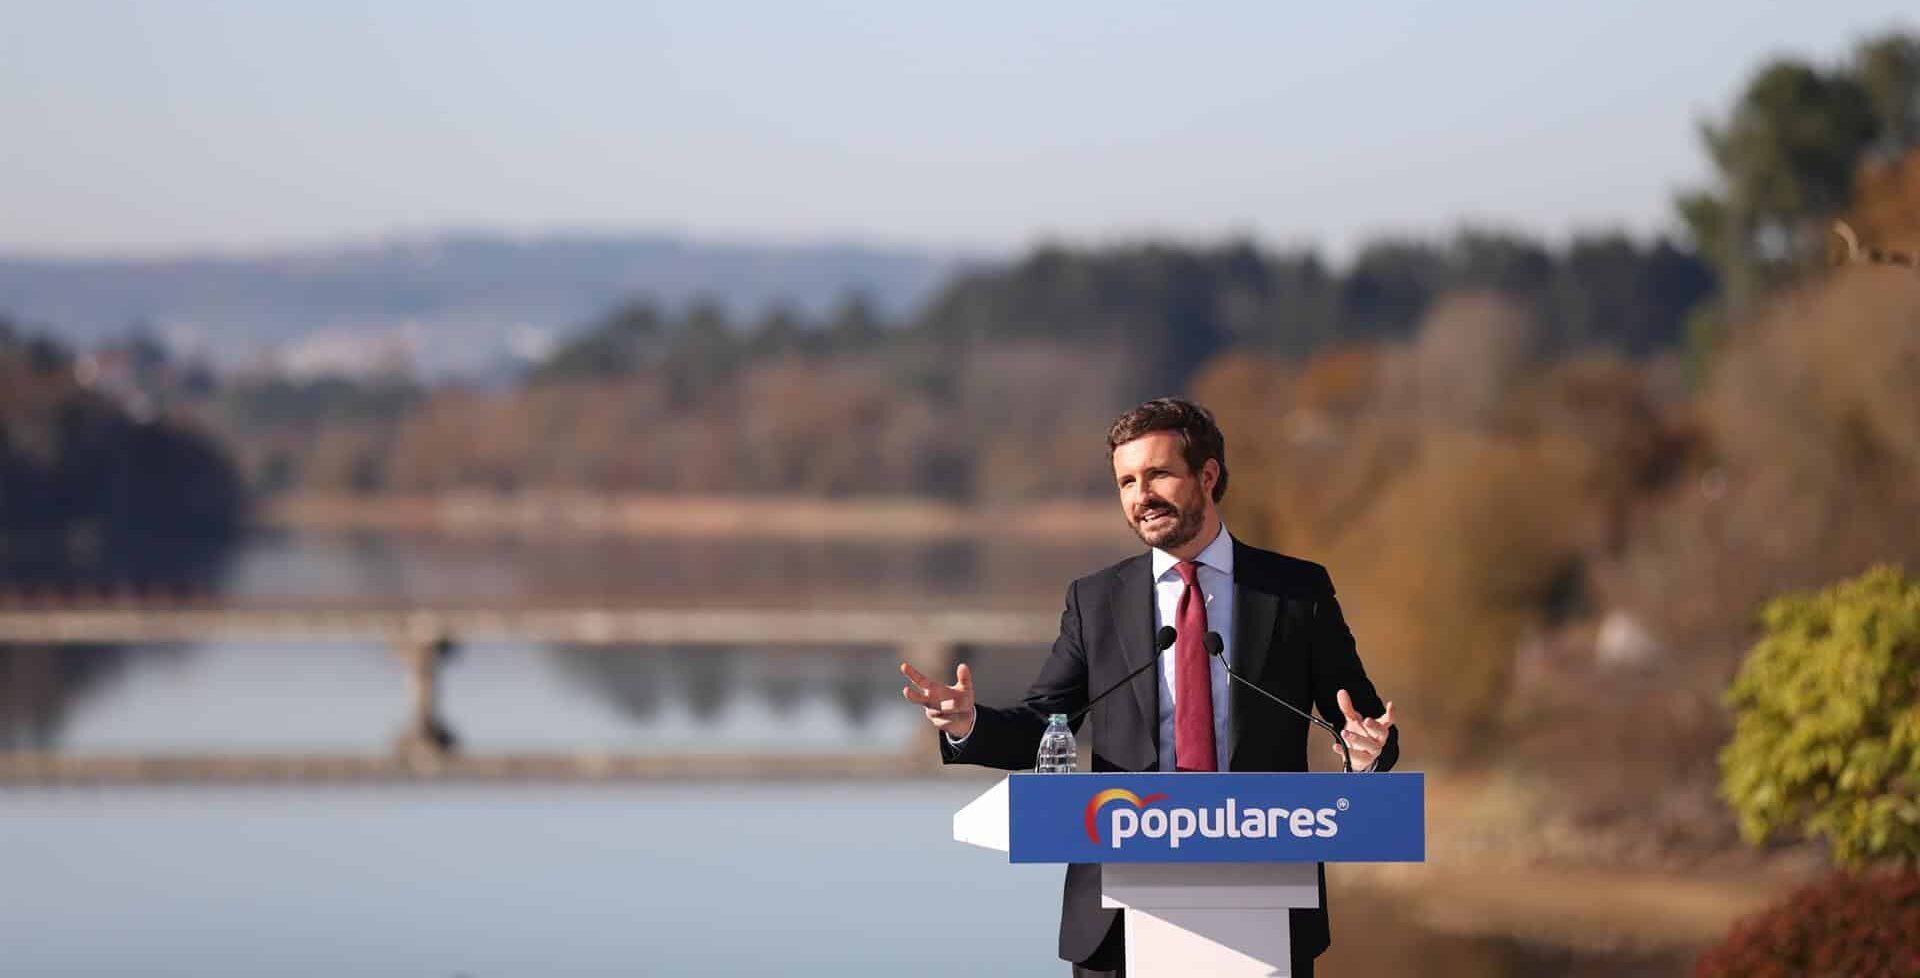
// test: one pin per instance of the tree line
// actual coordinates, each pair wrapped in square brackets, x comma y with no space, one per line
[1063,335]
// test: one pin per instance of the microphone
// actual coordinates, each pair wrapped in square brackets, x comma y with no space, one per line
[1162,640]
[1217,647]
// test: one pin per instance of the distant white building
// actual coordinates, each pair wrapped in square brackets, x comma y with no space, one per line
[1623,642]
[351,353]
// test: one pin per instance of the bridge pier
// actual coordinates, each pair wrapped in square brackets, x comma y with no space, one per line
[427,738]
[29,685]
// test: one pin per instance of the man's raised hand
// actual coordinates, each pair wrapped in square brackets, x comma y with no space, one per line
[949,708]
[1366,736]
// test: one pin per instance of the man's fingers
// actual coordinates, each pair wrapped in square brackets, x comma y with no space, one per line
[1380,726]
[947,707]
[1361,731]
[934,695]
[1346,705]
[1363,754]
[915,676]
[939,698]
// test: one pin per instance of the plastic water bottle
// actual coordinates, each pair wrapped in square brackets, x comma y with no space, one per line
[1058,753]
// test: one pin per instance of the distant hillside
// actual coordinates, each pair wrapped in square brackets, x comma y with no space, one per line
[463,301]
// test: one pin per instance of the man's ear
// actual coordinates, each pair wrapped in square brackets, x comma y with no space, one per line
[1209,475]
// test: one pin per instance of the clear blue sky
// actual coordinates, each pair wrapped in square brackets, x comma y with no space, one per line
[144,126]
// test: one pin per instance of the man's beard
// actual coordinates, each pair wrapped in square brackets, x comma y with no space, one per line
[1174,533]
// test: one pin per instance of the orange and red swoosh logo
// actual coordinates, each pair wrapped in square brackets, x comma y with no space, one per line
[1114,794]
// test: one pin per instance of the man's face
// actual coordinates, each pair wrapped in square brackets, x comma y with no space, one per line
[1164,501]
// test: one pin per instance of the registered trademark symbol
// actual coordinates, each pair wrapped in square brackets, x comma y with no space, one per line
[1341,804]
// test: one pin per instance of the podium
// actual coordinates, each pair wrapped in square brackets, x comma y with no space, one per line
[1205,865]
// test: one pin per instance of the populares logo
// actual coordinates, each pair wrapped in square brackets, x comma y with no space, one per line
[1100,801]
[1176,824]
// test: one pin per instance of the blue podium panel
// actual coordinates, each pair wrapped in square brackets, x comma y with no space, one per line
[1216,818]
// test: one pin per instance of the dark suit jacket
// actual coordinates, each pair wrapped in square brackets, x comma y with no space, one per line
[1288,637]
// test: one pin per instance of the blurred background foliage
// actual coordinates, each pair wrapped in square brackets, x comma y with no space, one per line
[1826,742]
[97,494]
[1839,926]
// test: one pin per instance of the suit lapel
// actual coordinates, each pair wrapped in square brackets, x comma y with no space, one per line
[1133,620]
[1255,609]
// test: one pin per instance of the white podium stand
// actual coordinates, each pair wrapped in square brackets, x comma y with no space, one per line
[1223,920]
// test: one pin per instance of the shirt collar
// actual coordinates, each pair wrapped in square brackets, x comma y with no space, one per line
[1217,555]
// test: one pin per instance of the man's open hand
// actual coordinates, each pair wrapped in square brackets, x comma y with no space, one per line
[949,708]
[1366,738]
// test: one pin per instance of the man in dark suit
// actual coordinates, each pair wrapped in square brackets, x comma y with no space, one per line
[1276,614]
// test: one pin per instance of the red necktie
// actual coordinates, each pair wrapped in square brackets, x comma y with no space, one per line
[1192,680]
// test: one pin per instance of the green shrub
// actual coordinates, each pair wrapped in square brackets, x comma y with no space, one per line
[1826,740]
[1857,927]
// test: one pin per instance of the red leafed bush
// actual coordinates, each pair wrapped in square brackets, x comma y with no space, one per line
[1852,926]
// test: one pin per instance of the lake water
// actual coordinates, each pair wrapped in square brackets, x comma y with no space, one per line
[544,880]
[709,879]
[539,881]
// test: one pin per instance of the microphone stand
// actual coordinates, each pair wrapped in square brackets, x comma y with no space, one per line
[1162,640]
[1216,647]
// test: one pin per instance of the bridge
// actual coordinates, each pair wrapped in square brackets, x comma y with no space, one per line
[579,625]
[424,637]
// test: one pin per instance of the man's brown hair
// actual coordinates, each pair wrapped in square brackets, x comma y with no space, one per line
[1198,433]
